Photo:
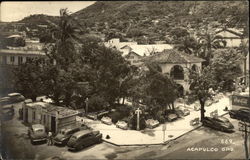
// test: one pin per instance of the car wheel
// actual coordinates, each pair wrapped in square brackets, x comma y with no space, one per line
[222,129]
[80,147]
[32,142]
[100,140]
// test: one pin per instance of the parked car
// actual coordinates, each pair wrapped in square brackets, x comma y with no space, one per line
[220,95]
[218,123]
[241,114]
[97,115]
[171,117]
[4,100]
[197,106]
[37,133]
[92,116]
[64,134]
[106,120]
[7,112]
[151,123]
[84,138]
[122,125]
[208,102]
[16,97]
[181,111]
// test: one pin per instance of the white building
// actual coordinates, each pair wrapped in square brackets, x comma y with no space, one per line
[133,52]
[52,117]
[176,65]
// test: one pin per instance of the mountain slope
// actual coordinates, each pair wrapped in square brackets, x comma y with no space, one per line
[154,18]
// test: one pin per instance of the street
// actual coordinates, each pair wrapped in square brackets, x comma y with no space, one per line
[202,143]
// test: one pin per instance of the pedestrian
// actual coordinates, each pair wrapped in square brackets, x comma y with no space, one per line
[49,138]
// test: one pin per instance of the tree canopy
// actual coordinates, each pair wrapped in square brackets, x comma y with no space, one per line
[226,66]
[201,83]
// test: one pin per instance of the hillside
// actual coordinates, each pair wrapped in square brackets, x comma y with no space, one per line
[154,19]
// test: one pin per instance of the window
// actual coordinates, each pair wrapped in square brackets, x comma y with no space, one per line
[12,59]
[28,59]
[34,115]
[44,119]
[3,59]
[20,59]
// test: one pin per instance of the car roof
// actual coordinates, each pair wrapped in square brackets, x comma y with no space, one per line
[224,119]
[69,129]
[14,94]
[81,133]
[38,126]
[244,109]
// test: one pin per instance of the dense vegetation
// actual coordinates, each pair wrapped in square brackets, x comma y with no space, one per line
[148,21]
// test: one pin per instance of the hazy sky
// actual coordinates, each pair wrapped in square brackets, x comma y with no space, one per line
[14,11]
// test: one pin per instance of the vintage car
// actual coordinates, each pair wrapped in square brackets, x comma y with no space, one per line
[197,106]
[122,125]
[37,133]
[64,134]
[181,111]
[171,117]
[220,95]
[242,114]
[151,123]
[208,102]
[97,115]
[11,98]
[7,112]
[4,100]
[84,138]
[215,99]
[218,123]
[16,97]
[106,120]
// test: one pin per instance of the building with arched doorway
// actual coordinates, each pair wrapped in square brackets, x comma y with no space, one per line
[176,64]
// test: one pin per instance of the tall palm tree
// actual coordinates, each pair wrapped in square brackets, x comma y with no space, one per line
[188,44]
[207,43]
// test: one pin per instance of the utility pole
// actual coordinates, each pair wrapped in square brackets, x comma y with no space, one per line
[245,128]
[87,105]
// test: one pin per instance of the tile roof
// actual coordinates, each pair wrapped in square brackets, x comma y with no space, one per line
[173,56]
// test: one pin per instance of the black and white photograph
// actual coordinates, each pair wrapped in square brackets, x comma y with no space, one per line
[123,80]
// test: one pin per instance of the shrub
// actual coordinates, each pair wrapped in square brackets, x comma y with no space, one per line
[133,122]
[124,109]
[96,103]
[116,116]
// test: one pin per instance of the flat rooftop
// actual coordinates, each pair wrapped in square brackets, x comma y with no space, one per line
[61,111]
[20,52]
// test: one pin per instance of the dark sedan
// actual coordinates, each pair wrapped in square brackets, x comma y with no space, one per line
[63,136]
[7,112]
[218,123]
[84,138]
[242,114]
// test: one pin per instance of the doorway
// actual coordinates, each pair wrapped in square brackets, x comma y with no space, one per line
[53,124]
[26,115]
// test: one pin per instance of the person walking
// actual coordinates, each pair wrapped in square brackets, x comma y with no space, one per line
[49,138]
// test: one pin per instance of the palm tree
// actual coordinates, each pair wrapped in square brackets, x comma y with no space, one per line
[207,43]
[188,45]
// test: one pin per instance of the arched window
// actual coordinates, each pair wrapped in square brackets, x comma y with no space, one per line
[194,68]
[177,72]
